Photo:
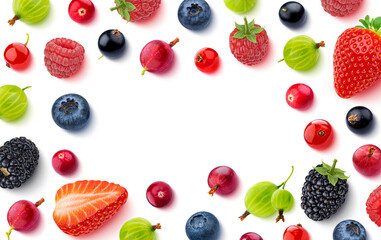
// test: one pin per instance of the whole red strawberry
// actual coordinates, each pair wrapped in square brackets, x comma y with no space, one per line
[340,8]
[357,58]
[249,43]
[373,206]
[136,10]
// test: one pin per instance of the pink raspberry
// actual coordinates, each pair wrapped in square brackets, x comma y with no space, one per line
[143,10]
[340,8]
[63,57]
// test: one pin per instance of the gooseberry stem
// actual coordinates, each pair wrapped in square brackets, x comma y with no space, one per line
[157,226]
[9,232]
[320,44]
[244,215]
[26,88]
[144,70]
[27,40]
[13,20]
[331,171]
[284,183]
[173,43]
[214,189]
[371,151]
[281,60]
[39,202]
[280,216]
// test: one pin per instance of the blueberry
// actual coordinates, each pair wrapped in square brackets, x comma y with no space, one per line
[71,112]
[349,230]
[359,119]
[292,14]
[112,43]
[194,14]
[202,226]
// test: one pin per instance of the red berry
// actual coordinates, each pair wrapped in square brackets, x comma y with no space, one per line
[340,8]
[81,11]
[17,55]
[318,133]
[296,232]
[159,194]
[63,57]
[23,215]
[207,60]
[249,44]
[367,160]
[222,180]
[64,162]
[299,96]
[356,61]
[250,236]
[137,10]
[373,206]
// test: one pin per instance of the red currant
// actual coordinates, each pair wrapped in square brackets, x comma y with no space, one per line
[299,96]
[64,162]
[81,11]
[17,55]
[296,232]
[159,194]
[207,60]
[318,133]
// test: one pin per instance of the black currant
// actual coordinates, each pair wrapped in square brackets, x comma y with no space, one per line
[359,119]
[292,14]
[112,43]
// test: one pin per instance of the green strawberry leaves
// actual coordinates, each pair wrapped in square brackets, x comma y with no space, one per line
[248,31]
[374,24]
[333,174]
[124,8]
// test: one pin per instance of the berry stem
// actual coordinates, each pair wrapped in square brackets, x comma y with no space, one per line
[280,216]
[13,20]
[100,57]
[27,40]
[214,189]
[7,64]
[371,151]
[39,202]
[281,60]
[244,215]
[333,167]
[320,44]
[26,88]
[199,58]
[246,26]
[144,70]
[9,232]
[284,183]
[173,43]
[116,7]
[157,226]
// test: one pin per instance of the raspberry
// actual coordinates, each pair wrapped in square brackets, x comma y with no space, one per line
[373,206]
[144,9]
[63,57]
[340,8]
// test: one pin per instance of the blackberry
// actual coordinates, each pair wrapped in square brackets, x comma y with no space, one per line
[18,160]
[323,191]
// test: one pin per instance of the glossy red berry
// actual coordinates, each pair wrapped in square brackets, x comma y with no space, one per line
[367,160]
[318,133]
[250,236]
[159,194]
[17,55]
[81,11]
[299,96]
[207,60]
[222,180]
[64,162]
[296,232]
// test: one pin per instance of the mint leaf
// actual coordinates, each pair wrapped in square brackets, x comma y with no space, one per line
[239,35]
[321,170]
[333,179]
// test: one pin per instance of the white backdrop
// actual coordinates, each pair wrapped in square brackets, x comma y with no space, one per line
[178,126]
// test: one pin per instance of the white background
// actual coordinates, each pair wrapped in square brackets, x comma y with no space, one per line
[178,126]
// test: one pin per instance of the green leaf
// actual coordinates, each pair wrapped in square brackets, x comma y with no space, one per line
[129,6]
[333,179]
[239,35]
[252,38]
[359,26]
[377,23]
[258,30]
[337,170]
[321,170]
[367,18]
[124,8]
[341,176]
[252,23]
[326,165]
[240,27]
[365,23]
[125,14]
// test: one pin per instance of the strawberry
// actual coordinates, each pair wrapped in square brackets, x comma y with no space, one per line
[340,8]
[136,10]
[249,43]
[357,58]
[84,206]
[373,206]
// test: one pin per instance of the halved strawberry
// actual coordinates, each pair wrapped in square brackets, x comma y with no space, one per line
[84,206]
[373,206]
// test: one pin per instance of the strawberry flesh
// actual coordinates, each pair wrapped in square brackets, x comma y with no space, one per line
[84,206]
